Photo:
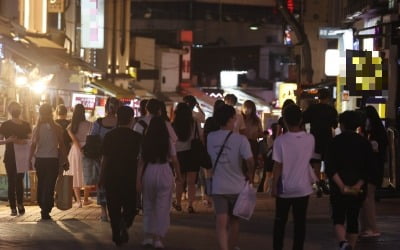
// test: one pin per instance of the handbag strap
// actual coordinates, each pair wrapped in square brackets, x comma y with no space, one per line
[220,151]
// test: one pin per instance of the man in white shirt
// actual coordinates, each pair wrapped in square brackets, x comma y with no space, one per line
[240,126]
[292,177]
[228,176]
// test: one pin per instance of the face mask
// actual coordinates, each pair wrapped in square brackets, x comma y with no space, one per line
[15,113]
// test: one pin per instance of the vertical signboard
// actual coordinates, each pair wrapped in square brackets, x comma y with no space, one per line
[92,24]
[186,38]
[186,62]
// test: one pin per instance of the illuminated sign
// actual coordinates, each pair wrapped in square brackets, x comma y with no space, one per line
[229,79]
[92,27]
[332,62]
[366,73]
[286,91]
[55,6]
[88,101]
[290,5]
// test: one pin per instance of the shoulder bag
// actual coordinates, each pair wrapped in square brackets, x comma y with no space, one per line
[209,179]
[92,148]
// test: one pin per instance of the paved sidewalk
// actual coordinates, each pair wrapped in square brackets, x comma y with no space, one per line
[80,228]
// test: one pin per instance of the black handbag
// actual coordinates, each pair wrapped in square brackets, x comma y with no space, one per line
[92,148]
[199,152]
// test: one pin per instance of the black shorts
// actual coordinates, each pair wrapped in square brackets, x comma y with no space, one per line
[186,162]
[345,208]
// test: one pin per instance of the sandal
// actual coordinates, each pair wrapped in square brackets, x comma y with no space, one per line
[191,210]
[176,206]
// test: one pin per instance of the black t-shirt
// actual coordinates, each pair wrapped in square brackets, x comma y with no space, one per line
[10,128]
[322,118]
[350,156]
[67,139]
[121,148]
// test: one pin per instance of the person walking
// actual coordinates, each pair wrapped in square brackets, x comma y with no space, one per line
[292,177]
[155,180]
[322,118]
[153,108]
[78,130]
[118,174]
[17,133]
[198,115]
[240,126]
[349,163]
[61,112]
[227,150]
[48,149]
[101,127]
[253,129]
[266,149]
[142,112]
[375,132]
[186,127]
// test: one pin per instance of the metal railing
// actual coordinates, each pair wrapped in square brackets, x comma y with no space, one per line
[393,158]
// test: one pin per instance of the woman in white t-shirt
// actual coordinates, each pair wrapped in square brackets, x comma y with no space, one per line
[228,177]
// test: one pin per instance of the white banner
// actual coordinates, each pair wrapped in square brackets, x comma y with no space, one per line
[92,24]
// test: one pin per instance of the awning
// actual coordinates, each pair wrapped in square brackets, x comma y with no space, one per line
[112,90]
[29,55]
[42,42]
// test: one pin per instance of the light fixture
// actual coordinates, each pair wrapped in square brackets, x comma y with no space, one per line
[148,13]
[254,27]
[21,81]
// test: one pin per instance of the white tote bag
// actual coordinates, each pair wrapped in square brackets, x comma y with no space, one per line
[21,152]
[246,202]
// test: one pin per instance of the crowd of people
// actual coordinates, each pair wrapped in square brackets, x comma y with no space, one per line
[140,162]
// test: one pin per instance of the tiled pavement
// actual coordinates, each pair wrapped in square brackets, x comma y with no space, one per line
[80,228]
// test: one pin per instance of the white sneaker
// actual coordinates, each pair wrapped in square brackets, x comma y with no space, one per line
[148,242]
[158,244]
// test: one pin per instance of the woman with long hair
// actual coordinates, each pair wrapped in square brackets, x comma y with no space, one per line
[375,132]
[155,180]
[17,133]
[78,130]
[185,128]
[101,127]
[49,151]
[253,129]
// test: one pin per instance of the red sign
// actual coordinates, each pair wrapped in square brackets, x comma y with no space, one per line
[290,5]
